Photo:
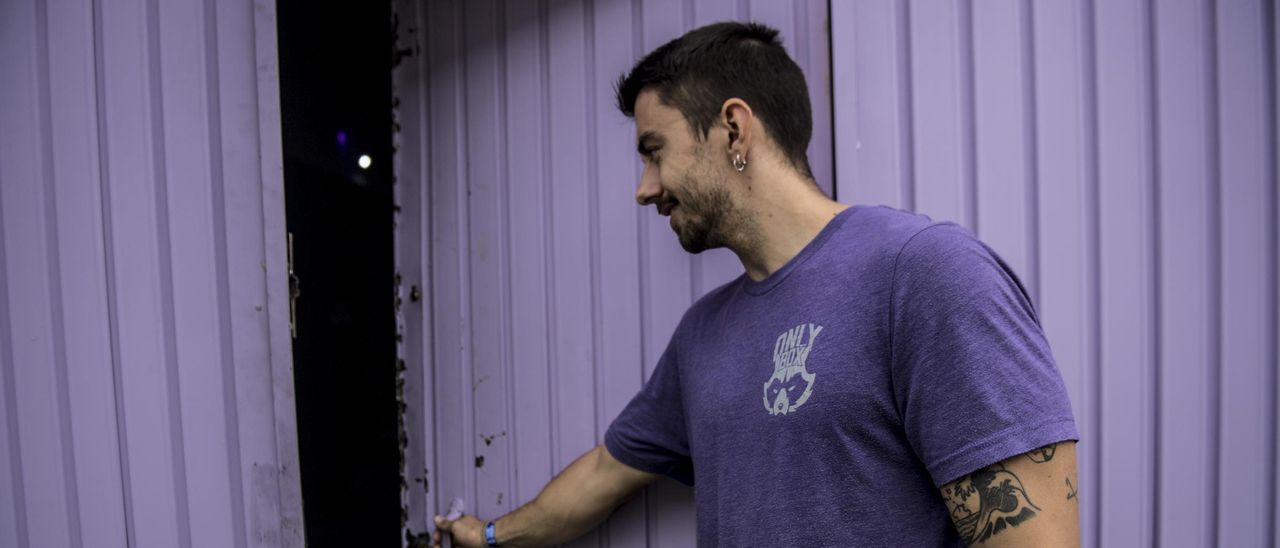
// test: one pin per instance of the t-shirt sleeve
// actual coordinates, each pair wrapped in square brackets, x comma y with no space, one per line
[651,434]
[973,377]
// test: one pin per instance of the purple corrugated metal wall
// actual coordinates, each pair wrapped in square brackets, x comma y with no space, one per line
[548,294]
[1121,155]
[145,378]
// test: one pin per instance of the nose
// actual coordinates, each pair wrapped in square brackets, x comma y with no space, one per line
[649,189]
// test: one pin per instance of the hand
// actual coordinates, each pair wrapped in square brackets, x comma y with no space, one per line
[467,532]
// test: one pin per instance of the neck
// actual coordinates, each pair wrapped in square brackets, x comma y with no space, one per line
[779,221]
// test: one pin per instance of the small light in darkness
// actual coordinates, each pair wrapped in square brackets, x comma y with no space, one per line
[342,138]
[365,161]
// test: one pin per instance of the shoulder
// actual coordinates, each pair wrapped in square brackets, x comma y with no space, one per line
[880,231]
[947,254]
[946,265]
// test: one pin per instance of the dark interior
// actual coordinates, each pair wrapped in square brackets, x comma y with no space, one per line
[335,87]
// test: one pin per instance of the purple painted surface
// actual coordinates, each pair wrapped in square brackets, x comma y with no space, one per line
[1122,157]
[548,294]
[145,376]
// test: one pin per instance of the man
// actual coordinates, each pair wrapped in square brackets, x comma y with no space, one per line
[873,379]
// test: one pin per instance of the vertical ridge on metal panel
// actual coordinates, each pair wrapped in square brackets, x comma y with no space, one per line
[451,393]
[547,185]
[508,324]
[573,406]
[112,285]
[32,397]
[1093,505]
[1031,171]
[936,71]
[1154,280]
[592,176]
[227,366]
[1244,422]
[161,177]
[14,529]
[53,222]
[1213,107]
[904,67]
[58,331]
[1272,22]
[1061,140]
[486,263]
[192,266]
[995,118]
[168,401]
[1125,224]
[1183,258]
[968,135]
[94,466]
[867,71]
[814,23]
[524,137]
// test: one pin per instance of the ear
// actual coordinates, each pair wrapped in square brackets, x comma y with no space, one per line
[737,118]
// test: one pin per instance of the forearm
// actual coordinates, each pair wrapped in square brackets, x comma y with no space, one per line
[573,502]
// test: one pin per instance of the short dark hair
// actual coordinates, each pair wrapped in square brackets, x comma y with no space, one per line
[697,72]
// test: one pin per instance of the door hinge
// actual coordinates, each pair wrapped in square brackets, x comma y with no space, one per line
[293,293]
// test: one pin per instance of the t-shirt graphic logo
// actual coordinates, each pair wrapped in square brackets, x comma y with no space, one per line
[791,384]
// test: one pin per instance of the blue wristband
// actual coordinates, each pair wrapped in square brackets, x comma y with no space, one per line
[489,537]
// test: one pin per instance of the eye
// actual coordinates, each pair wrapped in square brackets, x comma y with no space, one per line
[651,154]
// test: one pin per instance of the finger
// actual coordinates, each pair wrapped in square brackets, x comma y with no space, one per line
[444,524]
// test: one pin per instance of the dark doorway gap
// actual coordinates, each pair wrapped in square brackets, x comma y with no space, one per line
[335,87]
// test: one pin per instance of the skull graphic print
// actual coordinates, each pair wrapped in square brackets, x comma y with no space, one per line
[791,384]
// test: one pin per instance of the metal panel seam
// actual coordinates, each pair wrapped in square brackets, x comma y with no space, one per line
[544,80]
[163,243]
[968,114]
[467,333]
[1031,123]
[504,230]
[108,239]
[54,264]
[1269,56]
[7,381]
[1216,289]
[1093,267]
[231,415]
[1155,318]
[906,116]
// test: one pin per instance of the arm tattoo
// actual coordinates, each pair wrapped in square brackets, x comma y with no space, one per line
[1043,454]
[1071,490]
[986,502]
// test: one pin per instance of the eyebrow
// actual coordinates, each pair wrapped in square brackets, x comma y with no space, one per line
[648,140]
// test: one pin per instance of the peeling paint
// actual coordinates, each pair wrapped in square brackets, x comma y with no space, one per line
[488,440]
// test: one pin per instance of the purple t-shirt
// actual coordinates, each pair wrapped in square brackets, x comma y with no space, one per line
[825,404]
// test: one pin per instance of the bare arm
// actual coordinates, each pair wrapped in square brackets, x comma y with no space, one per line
[572,503]
[1027,500]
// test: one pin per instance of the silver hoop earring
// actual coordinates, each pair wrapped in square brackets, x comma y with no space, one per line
[738,163]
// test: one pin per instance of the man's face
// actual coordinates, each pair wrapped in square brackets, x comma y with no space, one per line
[683,176]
